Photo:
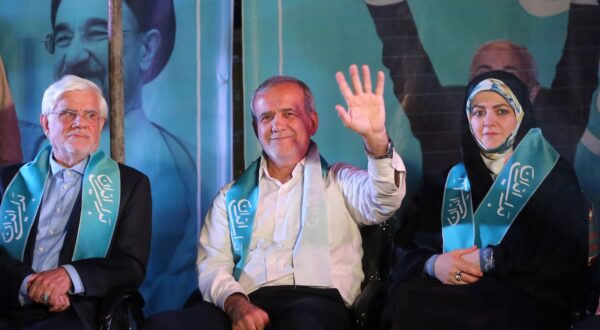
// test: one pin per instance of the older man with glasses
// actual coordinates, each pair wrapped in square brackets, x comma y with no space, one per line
[78,43]
[75,223]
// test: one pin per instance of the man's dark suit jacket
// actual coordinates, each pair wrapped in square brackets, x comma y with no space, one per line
[124,265]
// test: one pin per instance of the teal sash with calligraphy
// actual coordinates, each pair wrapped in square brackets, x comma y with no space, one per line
[520,177]
[312,245]
[101,190]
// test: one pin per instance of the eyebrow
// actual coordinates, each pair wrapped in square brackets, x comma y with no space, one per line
[498,105]
[510,67]
[94,21]
[74,110]
[62,27]
[258,115]
[285,109]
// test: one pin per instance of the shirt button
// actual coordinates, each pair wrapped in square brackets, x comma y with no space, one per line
[41,249]
[65,186]
[51,232]
[58,209]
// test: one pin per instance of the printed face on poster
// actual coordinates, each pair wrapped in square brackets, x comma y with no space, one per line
[163,71]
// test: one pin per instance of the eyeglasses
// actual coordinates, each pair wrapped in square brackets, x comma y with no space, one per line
[63,38]
[69,116]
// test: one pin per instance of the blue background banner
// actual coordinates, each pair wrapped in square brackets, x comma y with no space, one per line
[429,49]
[312,40]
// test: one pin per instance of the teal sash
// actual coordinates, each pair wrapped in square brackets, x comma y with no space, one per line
[242,201]
[521,176]
[101,192]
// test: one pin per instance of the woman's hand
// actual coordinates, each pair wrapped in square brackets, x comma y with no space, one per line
[457,267]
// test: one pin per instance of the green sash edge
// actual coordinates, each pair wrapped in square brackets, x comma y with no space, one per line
[489,225]
[241,201]
[458,229]
[98,224]
[37,170]
[87,244]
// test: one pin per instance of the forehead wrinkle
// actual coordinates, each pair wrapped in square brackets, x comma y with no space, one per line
[285,109]
[277,110]
[74,109]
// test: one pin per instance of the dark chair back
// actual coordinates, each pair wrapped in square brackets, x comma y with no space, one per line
[377,251]
[587,302]
[120,309]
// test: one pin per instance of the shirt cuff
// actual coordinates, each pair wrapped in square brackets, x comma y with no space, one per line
[385,169]
[429,268]
[486,259]
[225,294]
[23,297]
[75,279]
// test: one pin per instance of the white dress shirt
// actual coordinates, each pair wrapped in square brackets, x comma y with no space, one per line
[353,197]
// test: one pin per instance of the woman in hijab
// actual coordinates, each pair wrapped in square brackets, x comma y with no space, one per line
[501,241]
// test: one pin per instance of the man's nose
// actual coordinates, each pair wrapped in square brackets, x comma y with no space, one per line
[78,121]
[278,122]
[78,51]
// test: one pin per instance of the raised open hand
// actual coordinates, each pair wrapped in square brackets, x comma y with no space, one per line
[366,109]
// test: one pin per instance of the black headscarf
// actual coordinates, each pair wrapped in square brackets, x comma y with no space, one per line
[478,173]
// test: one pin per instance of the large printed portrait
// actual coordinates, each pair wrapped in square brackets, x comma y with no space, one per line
[44,40]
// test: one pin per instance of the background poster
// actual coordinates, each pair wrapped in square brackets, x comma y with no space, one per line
[177,104]
[312,40]
[427,48]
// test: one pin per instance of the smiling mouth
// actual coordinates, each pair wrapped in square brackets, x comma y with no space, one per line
[78,136]
[281,137]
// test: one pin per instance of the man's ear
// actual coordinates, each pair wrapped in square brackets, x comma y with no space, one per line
[150,43]
[533,91]
[313,118]
[44,123]
[254,125]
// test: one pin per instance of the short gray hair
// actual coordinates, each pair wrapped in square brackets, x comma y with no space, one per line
[309,100]
[69,83]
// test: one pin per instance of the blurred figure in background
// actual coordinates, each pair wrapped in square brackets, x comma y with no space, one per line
[10,140]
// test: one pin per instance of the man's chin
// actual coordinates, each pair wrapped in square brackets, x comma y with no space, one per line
[79,149]
[284,158]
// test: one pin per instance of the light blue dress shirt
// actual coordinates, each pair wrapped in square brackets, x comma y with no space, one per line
[60,194]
